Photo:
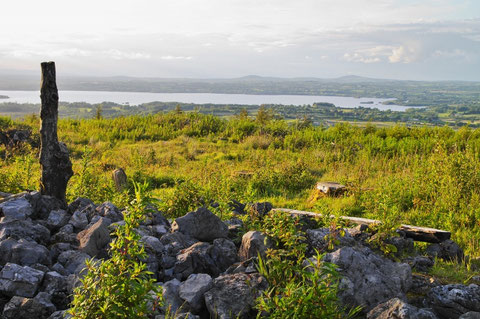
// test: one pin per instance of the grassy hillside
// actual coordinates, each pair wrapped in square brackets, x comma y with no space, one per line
[420,176]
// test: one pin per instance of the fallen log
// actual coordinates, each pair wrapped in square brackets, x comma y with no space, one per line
[424,234]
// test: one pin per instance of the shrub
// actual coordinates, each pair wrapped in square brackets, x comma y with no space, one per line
[120,287]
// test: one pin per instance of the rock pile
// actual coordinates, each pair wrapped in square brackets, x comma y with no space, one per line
[204,274]
[44,246]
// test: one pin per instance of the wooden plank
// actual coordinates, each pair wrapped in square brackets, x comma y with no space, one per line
[425,234]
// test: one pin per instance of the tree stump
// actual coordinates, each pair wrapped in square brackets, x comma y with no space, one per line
[120,179]
[54,159]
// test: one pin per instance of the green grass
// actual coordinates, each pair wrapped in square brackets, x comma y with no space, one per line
[421,176]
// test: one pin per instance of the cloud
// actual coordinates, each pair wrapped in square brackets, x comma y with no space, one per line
[122,55]
[405,54]
[172,57]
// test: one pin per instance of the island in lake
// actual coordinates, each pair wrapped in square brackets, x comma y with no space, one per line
[4,97]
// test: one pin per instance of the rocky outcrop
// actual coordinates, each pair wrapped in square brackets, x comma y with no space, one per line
[204,268]
[369,279]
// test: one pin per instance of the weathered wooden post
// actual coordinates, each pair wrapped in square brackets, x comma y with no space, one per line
[54,159]
[120,179]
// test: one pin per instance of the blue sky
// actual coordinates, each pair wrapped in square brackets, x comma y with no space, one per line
[419,40]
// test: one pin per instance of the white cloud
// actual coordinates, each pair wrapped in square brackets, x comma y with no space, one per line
[172,57]
[357,57]
[405,54]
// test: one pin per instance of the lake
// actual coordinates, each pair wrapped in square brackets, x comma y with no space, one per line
[135,98]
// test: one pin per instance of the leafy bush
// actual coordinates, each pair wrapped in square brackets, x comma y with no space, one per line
[296,291]
[312,294]
[120,287]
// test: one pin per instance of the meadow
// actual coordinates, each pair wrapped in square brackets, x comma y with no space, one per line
[414,175]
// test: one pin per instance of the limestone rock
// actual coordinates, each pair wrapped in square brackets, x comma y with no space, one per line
[56,286]
[79,219]
[233,296]
[79,204]
[206,258]
[23,229]
[261,208]
[16,280]
[253,243]
[447,250]
[17,208]
[62,314]
[369,279]
[192,290]
[109,211]
[23,252]
[396,308]
[171,296]
[95,238]
[202,225]
[470,315]
[39,307]
[73,260]
[57,219]
[451,301]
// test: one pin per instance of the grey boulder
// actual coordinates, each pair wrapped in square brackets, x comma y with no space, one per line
[193,289]
[17,208]
[39,307]
[451,301]
[202,225]
[369,279]
[396,308]
[16,280]
[57,219]
[206,258]
[23,229]
[23,252]
[233,296]
[253,243]
[95,238]
[446,250]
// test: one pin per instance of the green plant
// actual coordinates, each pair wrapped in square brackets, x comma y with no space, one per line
[120,287]
[311,293]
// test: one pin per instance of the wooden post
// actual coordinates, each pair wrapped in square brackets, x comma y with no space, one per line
[54,159]
[120,179]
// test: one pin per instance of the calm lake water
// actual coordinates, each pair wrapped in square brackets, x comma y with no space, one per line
[135,98]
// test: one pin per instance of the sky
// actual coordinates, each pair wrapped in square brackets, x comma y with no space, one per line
[394,39]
